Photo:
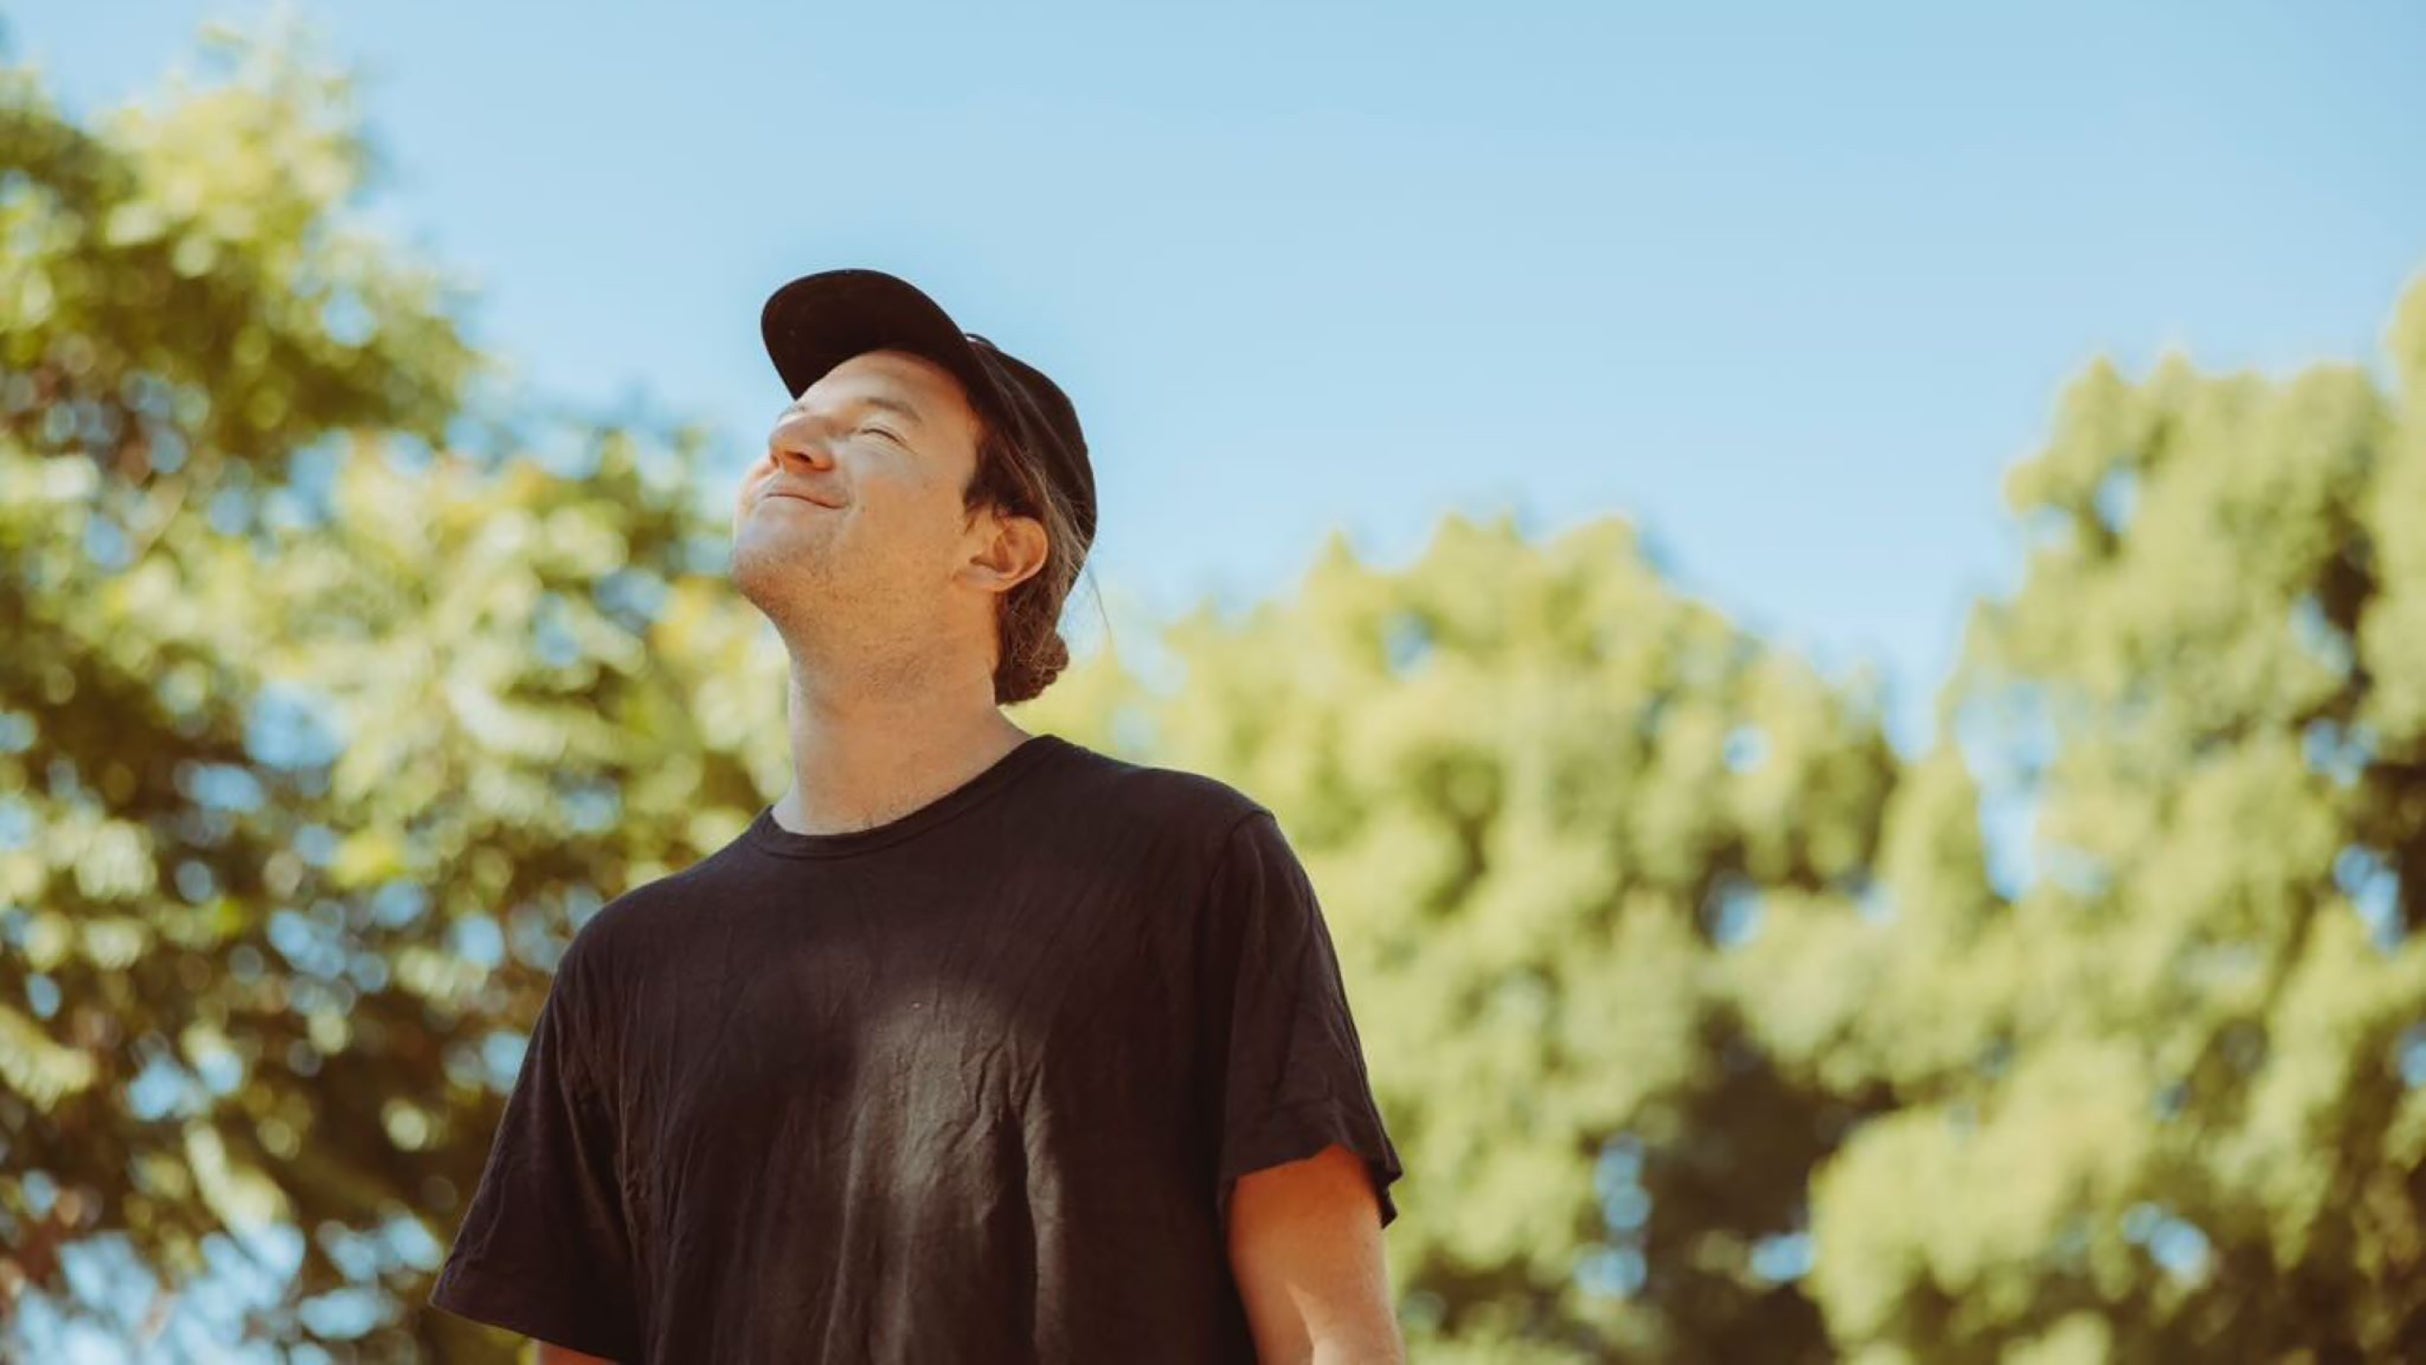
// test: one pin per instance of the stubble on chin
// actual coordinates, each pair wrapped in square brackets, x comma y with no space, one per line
[782,581]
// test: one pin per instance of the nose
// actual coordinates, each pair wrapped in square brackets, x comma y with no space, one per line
[799,436]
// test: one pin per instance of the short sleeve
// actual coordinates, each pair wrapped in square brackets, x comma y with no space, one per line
[1292,1072]
[545,1249]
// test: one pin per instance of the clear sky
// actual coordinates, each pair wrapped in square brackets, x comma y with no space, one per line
[1791,286]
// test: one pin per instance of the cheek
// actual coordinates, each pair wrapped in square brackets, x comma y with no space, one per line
[912,520]
[750,480]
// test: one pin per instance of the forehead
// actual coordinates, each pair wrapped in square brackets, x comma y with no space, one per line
[896,377]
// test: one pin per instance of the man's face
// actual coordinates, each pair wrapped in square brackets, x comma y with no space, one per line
[852,522]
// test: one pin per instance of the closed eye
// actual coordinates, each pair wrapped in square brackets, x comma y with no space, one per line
[886,434]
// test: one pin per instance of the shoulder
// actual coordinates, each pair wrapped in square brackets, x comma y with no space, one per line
[1212,843]
[606,966]
[621,936]
[1175,803]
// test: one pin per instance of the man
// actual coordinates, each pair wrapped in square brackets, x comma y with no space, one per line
[976,1045]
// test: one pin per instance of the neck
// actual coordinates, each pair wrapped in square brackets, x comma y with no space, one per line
[870,749]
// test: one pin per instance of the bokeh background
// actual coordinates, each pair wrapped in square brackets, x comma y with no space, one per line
[1836,603]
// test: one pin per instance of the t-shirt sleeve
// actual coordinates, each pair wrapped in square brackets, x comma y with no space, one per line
[1292,1078]
[545,1249]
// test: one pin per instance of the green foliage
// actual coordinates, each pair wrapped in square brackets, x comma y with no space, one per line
[318,742]
[1541,793]
[2154,1108]
[332,703]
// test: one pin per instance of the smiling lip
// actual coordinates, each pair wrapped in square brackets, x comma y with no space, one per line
[799,497]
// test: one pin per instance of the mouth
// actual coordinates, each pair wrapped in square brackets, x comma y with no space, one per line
[797,497]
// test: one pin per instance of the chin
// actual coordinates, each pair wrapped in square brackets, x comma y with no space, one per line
[787,584]
[763,574]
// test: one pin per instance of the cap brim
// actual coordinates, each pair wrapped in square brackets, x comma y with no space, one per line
[819,321]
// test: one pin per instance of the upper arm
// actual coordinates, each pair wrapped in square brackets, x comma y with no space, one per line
[1305,1246]
[1288,1069]
[545,1249]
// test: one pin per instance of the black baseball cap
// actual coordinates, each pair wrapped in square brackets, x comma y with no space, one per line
[818,321]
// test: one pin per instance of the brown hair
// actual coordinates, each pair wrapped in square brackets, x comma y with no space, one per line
[1029,650]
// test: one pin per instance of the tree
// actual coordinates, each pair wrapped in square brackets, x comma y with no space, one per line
[339,690]
[335,703]
[2163,1102]
[331,706]
[1542,797]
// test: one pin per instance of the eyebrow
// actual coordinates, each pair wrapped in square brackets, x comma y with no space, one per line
[877,400]
[874,400]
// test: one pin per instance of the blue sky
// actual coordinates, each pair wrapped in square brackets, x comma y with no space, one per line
[1791,286]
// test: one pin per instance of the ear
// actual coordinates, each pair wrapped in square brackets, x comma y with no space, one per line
[1010,550]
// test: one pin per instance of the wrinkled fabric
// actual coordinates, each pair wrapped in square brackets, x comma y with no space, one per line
[972,1085]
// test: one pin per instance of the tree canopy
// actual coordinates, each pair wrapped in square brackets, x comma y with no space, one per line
[341,685]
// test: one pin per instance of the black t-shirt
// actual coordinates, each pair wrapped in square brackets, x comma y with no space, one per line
[971,1085]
